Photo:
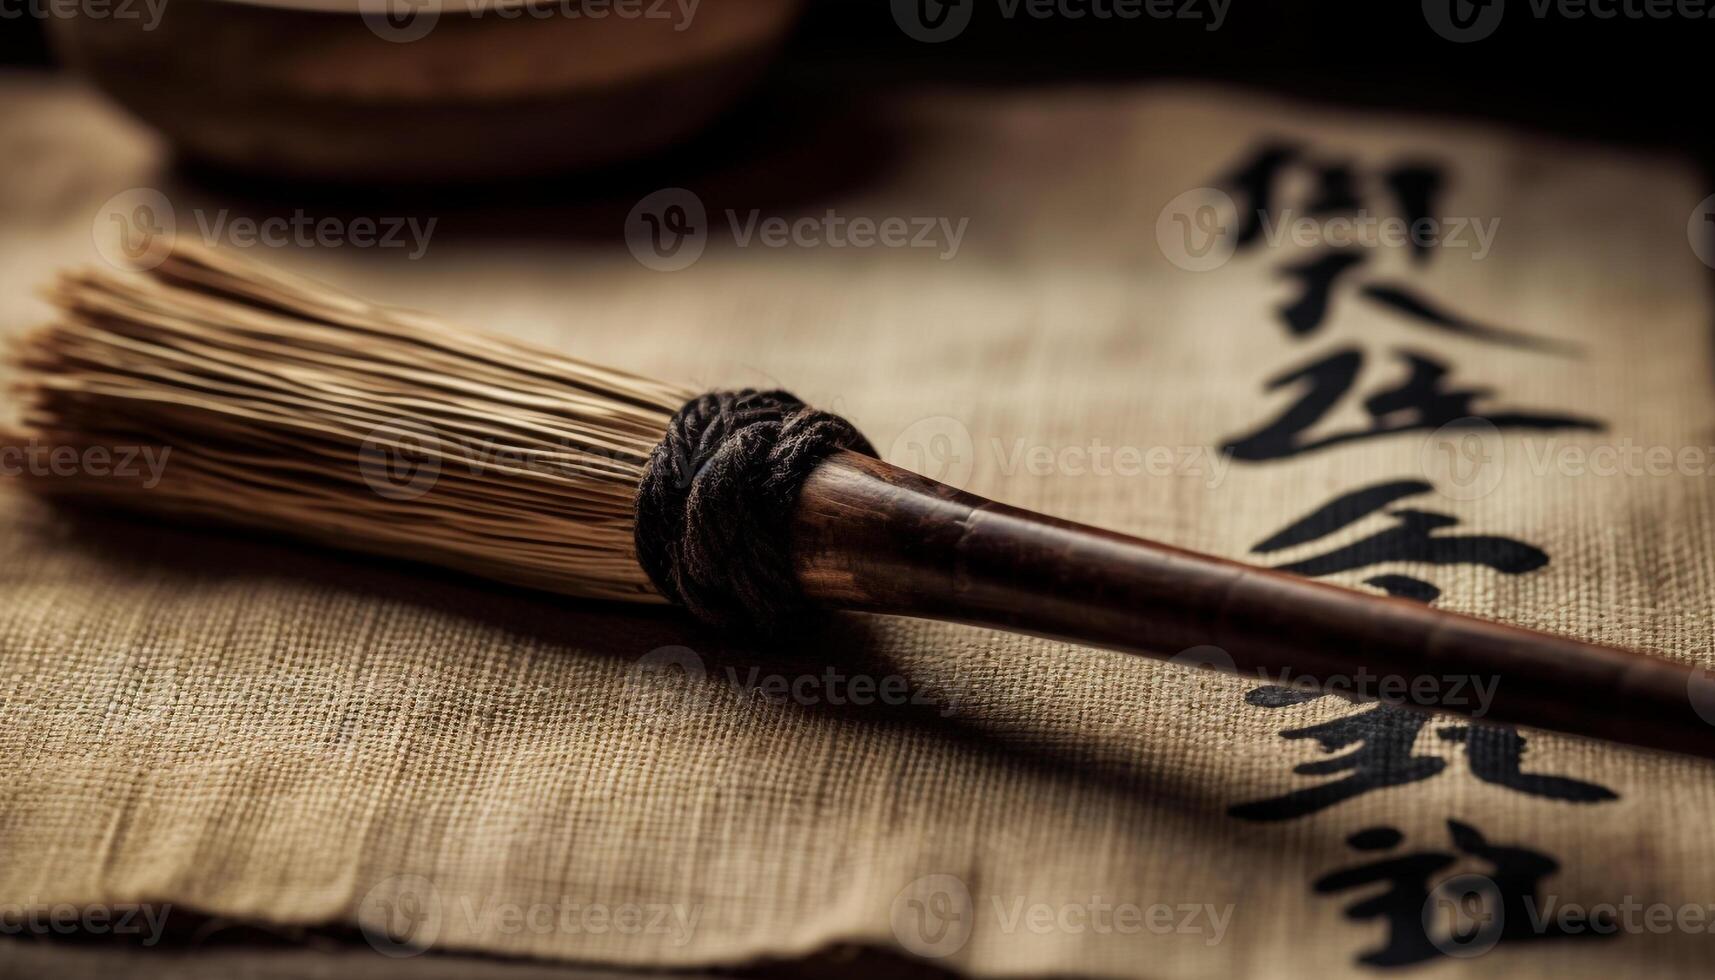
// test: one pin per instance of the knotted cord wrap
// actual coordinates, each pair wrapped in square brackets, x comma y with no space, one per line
[715,504]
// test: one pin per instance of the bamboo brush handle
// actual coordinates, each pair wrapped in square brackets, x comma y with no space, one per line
[869,536]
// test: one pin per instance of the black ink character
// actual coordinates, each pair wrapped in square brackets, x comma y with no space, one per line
[1400,906]
[1412,538]
[1336,190]
[1253,183]
[1495,753]
[1319,276]
[1304,314]
[1422,402]
[1402,300]
[1385,734]
[1513,878]
[1415,187]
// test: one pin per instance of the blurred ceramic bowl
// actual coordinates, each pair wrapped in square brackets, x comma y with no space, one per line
[426,90]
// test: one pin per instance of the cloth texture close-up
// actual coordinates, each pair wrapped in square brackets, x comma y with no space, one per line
[1512,419]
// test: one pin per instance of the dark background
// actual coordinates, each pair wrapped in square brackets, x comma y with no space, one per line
[1627,80]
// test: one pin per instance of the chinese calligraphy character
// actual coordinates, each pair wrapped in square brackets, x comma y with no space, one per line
[1384,736]
[1415,187]
[1514,876]
[1423,401]
[1412,538]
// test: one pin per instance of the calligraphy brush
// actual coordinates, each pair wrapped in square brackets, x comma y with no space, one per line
[290,406]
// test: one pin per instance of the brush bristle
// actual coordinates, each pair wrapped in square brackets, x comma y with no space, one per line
[286,405]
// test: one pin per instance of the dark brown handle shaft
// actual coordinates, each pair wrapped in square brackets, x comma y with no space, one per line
[872,537]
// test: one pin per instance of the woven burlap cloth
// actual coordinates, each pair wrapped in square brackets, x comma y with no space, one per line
[246,728]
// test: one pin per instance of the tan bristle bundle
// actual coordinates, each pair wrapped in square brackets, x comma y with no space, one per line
[283,404]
